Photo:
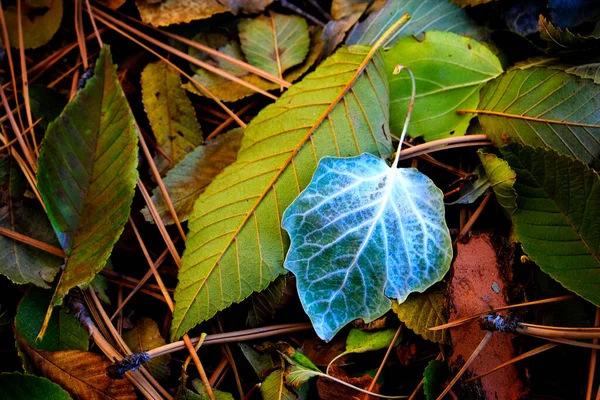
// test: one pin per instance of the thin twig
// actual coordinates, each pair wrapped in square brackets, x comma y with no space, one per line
[593,356]
[473,219]
[24,81]
[32,242]
[387,354]
[480,347]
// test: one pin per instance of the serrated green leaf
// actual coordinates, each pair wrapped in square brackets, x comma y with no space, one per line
[16,386]
[587,71]
[471,191]
[543,108]
[190,177]
[235,244]
[273,387]
[87,174]
[434,378]
[449,70]
[558,216]
[227,90]
[145,336]
[362,232]
[501,179]
[563,41]
[274,43]
[263,304]
[425,310]
[64,330]
[426,15]
[170,113]
[39,22]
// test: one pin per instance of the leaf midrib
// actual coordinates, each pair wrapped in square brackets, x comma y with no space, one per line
[369,56]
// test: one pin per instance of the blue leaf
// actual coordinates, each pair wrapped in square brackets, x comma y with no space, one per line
[362,231]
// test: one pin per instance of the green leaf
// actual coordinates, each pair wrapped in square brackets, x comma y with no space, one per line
[265,303]
[190,177]
[274,43]
[262,363]
[562,41]
[64,330]
[471,191]
[426,15]
[39,21]
[235,244]
[87,174]
[362,232]
[558,218]
[219,395]
[170,112]
[146,336]
[16,386]
[425,310]
[362,342]
[543,108]
[227,90]
[434,378]
[273,387]
[449,70]
[501,179]
[587,71]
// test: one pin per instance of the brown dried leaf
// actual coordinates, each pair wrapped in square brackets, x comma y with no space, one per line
[81,373]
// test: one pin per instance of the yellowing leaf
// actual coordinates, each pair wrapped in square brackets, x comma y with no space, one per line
[81,373]
[39,22]
[362,233]
[273,387]
[170,112]
[274,43]
[169,12]
[227,90]
[145,336]
[450,70]
[190,177]
[424,310]
[87,175]
[235,243]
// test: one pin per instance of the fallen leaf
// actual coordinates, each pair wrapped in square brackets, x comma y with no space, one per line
[40,21]
[501,179]
[273,387]
[434,378]
[145,336]
[16,386]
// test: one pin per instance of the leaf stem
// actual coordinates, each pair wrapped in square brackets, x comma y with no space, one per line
[411,104]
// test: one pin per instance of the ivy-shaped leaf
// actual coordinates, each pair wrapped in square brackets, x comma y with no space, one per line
[274,43]
[235,244]
[16,386]
[558,216]
[190,177]
[425,310]
[170,113]
[450,70]
[543,107]
[87,175]
[362,233]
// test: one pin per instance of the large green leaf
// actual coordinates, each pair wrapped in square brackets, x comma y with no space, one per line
[543,107]
[425,310]
[227,90]
[87,174]
[64,330]
[449,70]
[274,43]
[40,21]
[145,336]
[426,15]
[362,233]
[170,112]
[16,386]
[235,245]
[190,177]
[501,178]
[20,262]
[558,216]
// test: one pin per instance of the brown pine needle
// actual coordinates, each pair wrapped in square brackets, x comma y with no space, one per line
[385,357]
[78,21]
[523,117]
[480,347]
[30,159]
[593,356]
[465,230]
[24,80]
[32,242]
[228,121]
[523,356]
[464,320]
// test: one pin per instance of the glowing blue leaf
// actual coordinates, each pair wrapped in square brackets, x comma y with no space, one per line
[362,232]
